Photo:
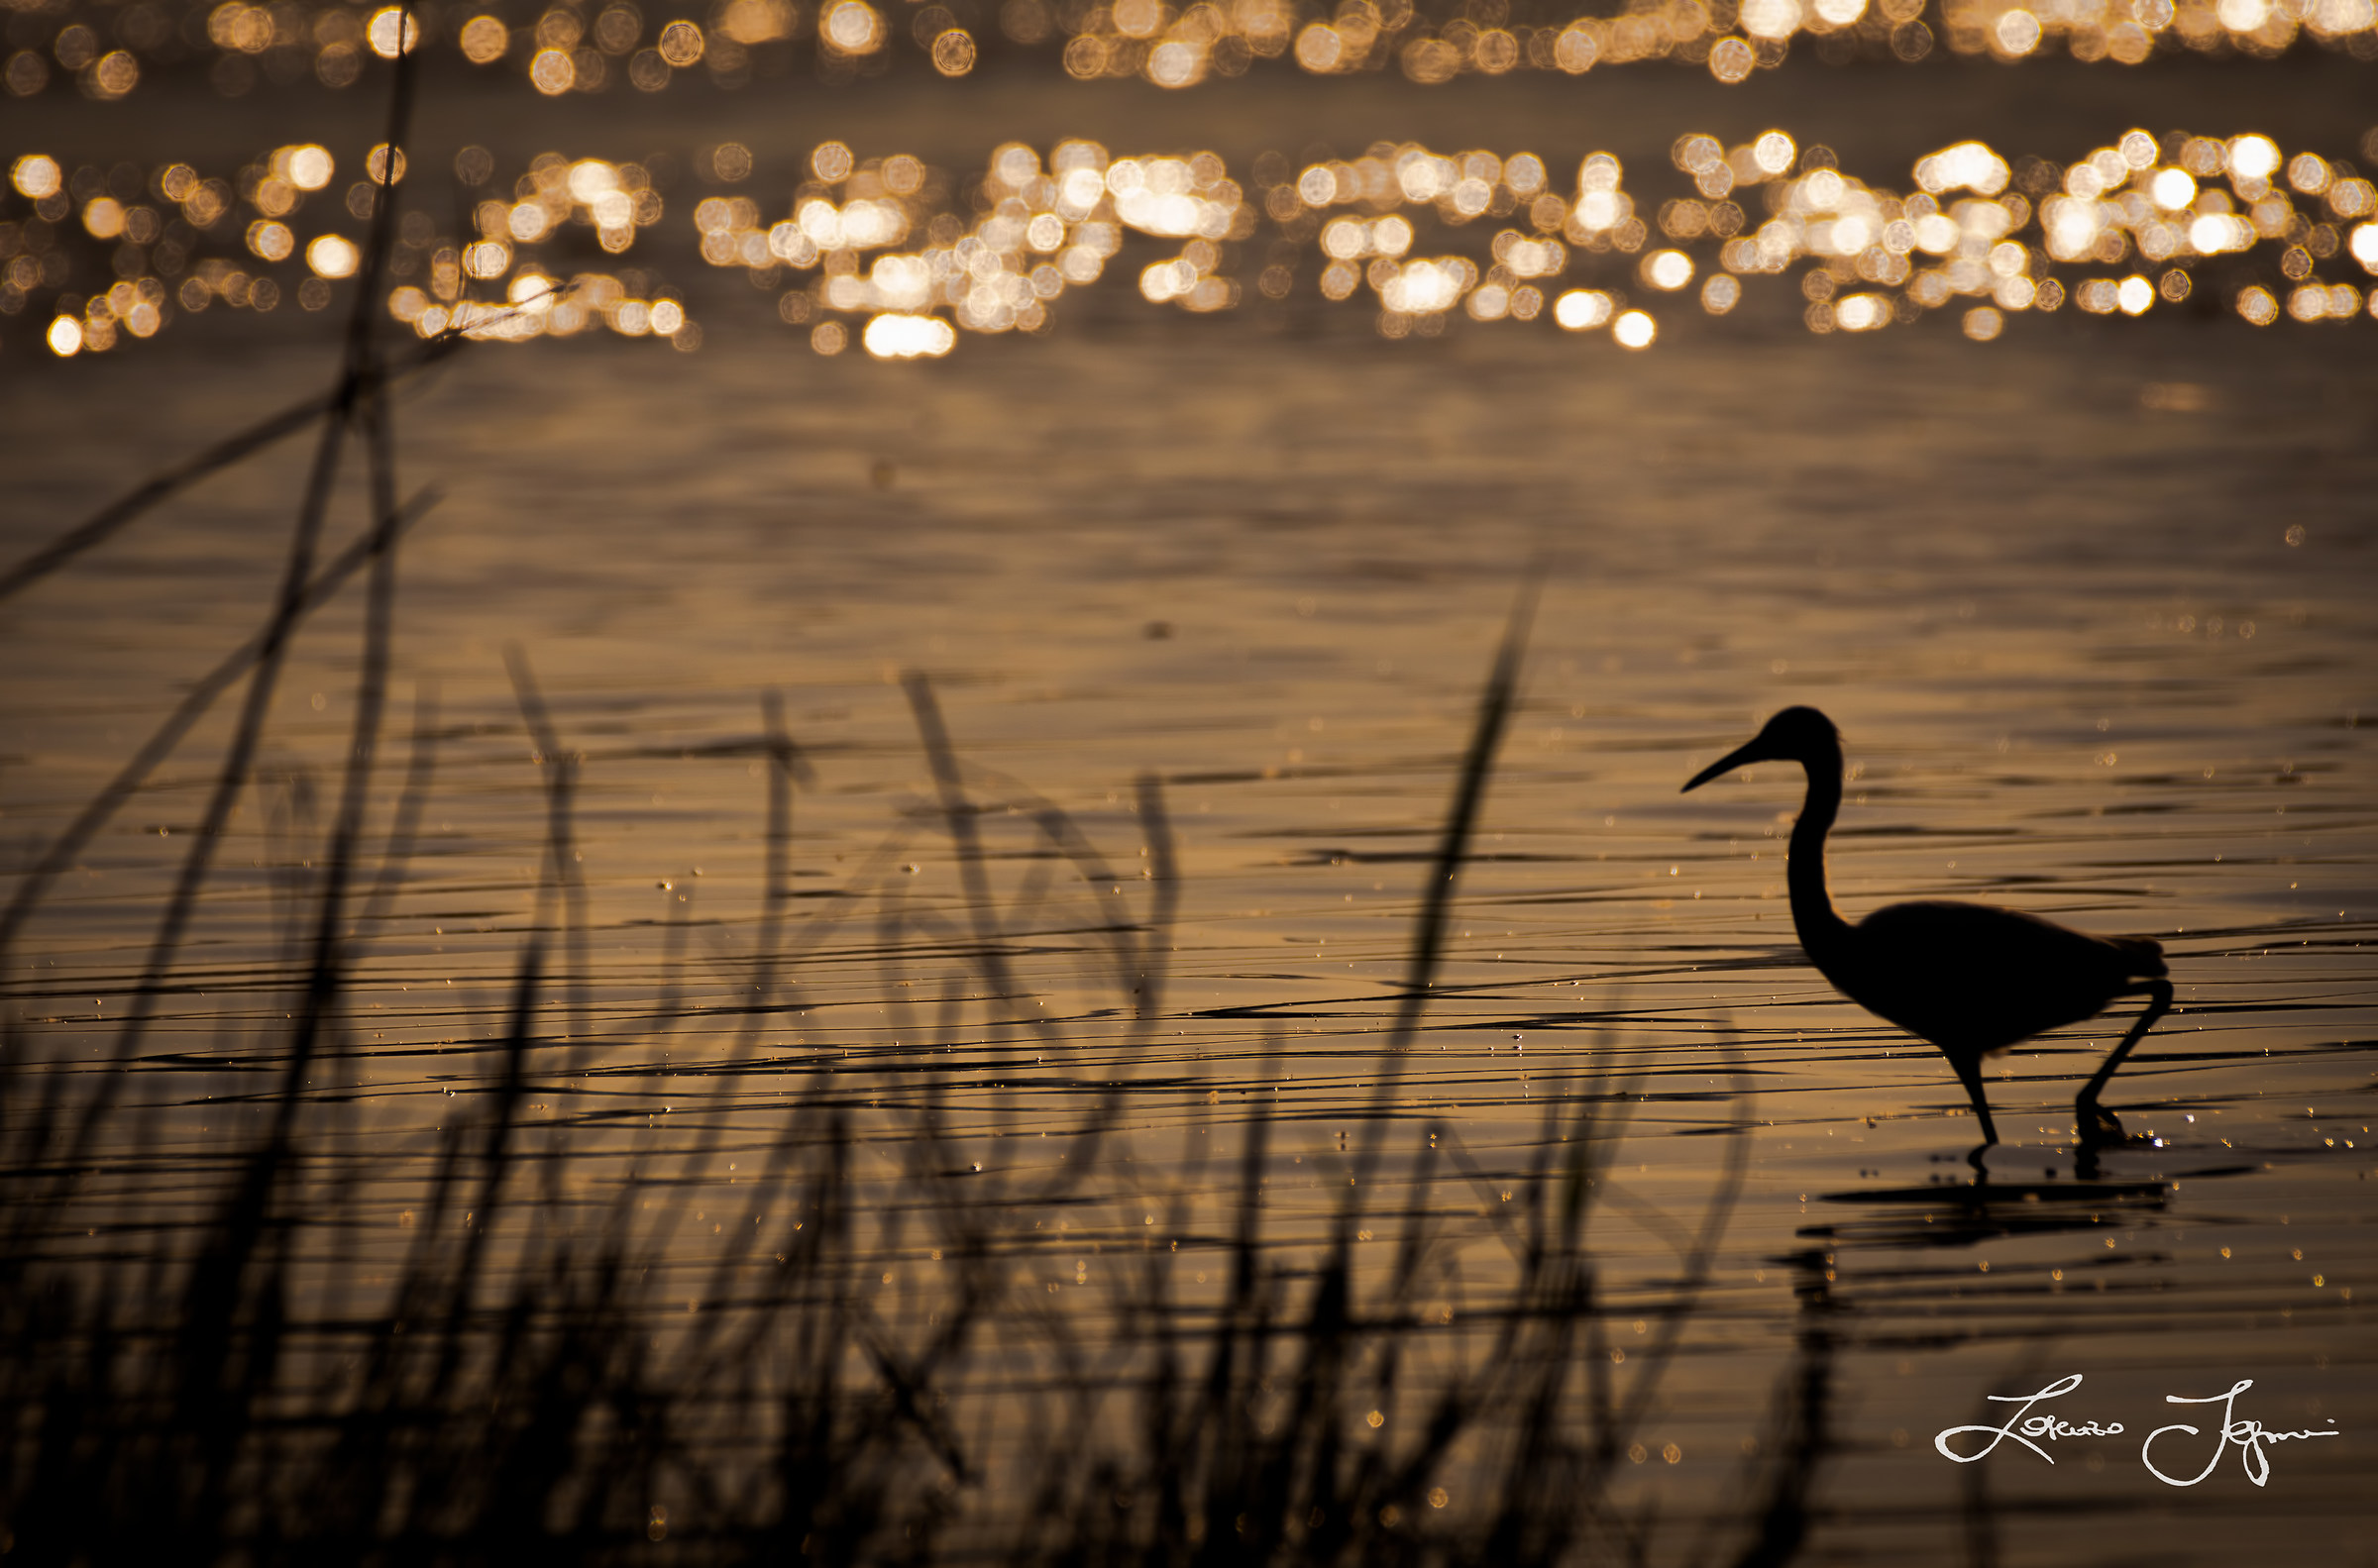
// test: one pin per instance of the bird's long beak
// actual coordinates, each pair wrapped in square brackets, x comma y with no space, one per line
[1748,753]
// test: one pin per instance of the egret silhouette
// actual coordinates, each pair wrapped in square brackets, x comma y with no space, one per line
[1970,978]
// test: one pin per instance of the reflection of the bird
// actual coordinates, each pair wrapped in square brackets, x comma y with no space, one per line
[1984,1207]
[1961,1214]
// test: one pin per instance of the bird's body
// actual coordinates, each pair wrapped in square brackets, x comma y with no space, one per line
[1972,979]
[1941,970]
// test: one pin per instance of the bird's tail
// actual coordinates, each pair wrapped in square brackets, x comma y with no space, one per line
[2145,955]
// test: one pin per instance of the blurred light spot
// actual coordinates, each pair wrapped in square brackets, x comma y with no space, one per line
[484,39]
[2255,156]
[852,27]
[2135,295]
[2309,172]
[66,336]
[755,20]
[1320,49]
[383,31]
[269,240]
[1176,62]
[330,256]
[2017,32]
[1581,309]
[1731,60]
[1982,323]
[103,217]
[1970,165]
[1167,280]
[591,179]
[308,168]
[953,52]
[1634,330]
[1861,312]
[1423,287]
[35,175]
[903,337]
[1668,270]
[2217,231]
[552,72]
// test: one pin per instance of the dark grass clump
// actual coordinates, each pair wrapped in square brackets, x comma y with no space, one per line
[223,1363]
[551,1374]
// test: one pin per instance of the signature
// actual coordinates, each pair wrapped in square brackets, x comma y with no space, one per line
[2023,1426]
[2250,1437]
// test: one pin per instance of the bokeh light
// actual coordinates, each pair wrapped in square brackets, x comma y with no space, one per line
[35,175]
[110,52]
[331,256]
[1424,239]
[393,30]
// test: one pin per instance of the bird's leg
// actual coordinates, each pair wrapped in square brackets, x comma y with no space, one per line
[2095,1121]
[1969,1072]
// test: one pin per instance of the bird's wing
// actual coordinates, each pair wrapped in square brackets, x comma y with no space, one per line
[1978,976]
[1983,932]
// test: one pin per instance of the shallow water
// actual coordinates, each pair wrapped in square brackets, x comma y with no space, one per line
[2088,605]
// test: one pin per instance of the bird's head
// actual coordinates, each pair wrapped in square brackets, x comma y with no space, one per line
[1798,734]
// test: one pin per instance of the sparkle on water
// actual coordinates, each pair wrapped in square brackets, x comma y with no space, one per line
[621,48]
[862,239]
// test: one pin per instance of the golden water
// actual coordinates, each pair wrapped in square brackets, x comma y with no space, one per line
[2085,588]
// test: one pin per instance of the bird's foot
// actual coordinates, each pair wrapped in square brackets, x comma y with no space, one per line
[2099,1128]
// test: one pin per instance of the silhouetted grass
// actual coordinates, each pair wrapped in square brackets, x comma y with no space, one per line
[548,1366]
[550,1373]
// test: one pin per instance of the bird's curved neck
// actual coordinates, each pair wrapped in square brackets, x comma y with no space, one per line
[1819,924]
